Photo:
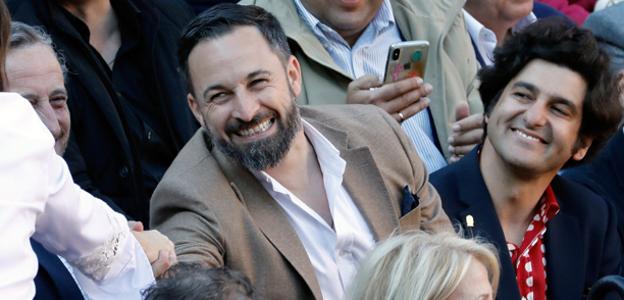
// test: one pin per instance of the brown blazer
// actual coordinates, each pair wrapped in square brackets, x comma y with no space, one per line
[217,213]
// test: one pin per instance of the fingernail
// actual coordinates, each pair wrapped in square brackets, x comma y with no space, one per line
[456,127]
[419,80]
[428,88]
[450,140]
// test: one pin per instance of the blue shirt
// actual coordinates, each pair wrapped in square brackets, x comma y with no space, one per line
[368,56]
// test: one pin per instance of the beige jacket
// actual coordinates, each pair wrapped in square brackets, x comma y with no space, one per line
[216,212]
[451,64]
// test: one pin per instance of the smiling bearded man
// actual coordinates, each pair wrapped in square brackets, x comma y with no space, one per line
[265,153]
[550,103]
[293,201]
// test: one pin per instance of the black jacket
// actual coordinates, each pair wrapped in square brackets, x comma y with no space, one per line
[102,158]
[581,241]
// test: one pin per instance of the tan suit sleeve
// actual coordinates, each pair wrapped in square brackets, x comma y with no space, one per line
[188,222]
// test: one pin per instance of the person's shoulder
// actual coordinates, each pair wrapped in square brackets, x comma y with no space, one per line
[431,9]
[578,199]
[446,180]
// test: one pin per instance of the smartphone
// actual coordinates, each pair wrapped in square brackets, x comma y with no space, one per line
[406,59]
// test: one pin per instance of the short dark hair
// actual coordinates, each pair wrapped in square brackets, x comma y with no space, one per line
[192,281]
[560,42]
[222,19]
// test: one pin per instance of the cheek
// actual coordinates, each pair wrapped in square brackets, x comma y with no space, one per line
[215,119]
[64,119]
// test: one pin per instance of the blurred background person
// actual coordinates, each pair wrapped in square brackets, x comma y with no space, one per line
[126,98]
[418,265]
[342,48]
[40,200]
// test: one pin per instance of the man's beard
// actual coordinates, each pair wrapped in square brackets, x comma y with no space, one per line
[265,153]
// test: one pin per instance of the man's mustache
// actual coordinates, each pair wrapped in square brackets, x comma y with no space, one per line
[236,125]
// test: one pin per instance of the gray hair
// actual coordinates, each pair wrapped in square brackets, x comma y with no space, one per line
[24,35]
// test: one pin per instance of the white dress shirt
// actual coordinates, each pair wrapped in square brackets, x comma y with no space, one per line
[38,198]
[485,39]
[334,253]
[368,56]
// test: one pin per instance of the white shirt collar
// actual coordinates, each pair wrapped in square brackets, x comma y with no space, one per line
[485,39]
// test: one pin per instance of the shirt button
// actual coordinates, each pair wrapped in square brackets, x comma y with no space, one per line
[149,135]
[124,171]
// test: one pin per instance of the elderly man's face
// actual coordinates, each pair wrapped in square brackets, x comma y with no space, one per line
[347,17]
[35,73]
[244,96]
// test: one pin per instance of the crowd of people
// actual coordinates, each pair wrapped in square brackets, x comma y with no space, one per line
[167,149]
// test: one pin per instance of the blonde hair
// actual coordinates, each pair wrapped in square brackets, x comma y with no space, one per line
[417,265]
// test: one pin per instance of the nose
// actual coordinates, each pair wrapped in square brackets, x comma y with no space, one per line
[246,105]
[48,116]
[536,115]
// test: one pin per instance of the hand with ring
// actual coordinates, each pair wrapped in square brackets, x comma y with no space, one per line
[401,99]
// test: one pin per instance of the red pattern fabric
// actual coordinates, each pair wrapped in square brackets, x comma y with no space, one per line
[529,259]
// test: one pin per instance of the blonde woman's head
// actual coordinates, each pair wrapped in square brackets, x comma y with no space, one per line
[417,265]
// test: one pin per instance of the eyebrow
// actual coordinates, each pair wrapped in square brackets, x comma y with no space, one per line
[220,86]
[533,89]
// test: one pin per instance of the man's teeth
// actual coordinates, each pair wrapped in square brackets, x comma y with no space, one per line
[526,136]
[256,129]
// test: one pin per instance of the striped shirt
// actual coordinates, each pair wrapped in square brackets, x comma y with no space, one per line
[368,56]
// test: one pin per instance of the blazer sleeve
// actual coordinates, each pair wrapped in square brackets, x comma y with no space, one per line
[429,211]
[177,211]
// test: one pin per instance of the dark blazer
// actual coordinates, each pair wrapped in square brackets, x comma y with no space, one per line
[53,280]
[581,241]
[217,213]
[604,175]
[102,158]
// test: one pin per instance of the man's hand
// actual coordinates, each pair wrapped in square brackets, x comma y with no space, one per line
[159,250]
[401,99]
[467,132]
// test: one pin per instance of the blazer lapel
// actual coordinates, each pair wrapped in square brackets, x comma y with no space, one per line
[477,203]
[564,263]
[363,181]
[269,217]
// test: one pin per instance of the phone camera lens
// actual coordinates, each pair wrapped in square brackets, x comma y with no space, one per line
[395,54]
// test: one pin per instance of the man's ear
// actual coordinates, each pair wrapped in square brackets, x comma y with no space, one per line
[194,105]
[293,72]
[581,148]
